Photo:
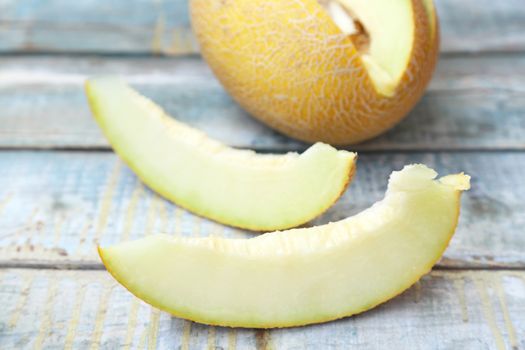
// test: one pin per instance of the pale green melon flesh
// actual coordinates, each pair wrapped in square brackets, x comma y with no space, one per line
[235,187]
[390,25]
[299,276]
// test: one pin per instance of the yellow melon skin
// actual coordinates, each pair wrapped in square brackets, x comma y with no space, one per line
[289,65]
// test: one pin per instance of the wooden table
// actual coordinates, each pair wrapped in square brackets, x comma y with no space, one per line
[63,190]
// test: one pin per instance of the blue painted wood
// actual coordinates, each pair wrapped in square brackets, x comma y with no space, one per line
[472,103]
[56,206]
[60,205]
[162,26]
[114,26]
[86,309]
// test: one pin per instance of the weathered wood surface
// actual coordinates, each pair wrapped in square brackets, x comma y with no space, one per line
[114,26]
[472,103]
[87,309]
[157,26]
[56,206]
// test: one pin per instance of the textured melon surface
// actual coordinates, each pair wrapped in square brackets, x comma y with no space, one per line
[296,66]
[299,276]
[235,187]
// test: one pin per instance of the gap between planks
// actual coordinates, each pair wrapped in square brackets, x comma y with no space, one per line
[93,266]
[355,148]
[196,55]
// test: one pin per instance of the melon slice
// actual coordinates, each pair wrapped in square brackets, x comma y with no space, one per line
[240,188]
[300,276]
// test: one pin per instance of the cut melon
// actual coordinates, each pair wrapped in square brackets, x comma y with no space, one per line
[300,276]
[240,188]
[337,71]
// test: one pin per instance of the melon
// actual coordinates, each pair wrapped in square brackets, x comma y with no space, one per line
[261,192]
[300,276]
[337,71]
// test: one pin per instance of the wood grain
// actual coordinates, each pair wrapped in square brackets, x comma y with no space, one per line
[62,204]
[86,309]
[163,27]
[472,103]
[55,207]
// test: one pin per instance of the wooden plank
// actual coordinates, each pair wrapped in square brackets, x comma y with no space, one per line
[86,309]
[57,206]
[481,25]
[472,103]
[120,26]
[116,26]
